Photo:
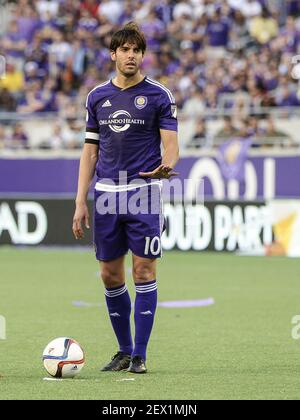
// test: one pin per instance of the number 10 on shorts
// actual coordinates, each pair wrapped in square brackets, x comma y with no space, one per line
[152,245]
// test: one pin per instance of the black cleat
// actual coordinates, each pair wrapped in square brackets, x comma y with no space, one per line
[120,361]
[137,365]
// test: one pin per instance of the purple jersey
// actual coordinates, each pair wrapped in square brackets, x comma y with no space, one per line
[125,123]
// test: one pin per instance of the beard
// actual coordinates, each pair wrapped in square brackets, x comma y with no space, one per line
[128,71]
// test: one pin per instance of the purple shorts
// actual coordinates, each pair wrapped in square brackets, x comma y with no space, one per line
[128,220]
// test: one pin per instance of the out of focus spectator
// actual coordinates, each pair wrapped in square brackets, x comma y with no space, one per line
[200,135]
[18,139]
[254,129]
[217,32]
[14,43]
[60,51]
[13,80]
[239,36]
[290,35]
[243,129]
[265,134]
[7,101]
[58,137]
[287,98]
[45,7]
[91,6]
[250,8]
[263,28]
[87,21]
[76,139]
[79,61]
[65,135]
[272,133]
[2,136]
[111,10]
[154,31]
[293,7]
[37,99]
[228,131]
[194,106]
[182,8]
[211,96]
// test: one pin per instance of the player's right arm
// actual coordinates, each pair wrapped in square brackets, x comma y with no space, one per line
[87,167]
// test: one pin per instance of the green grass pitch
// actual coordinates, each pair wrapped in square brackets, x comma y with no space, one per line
[239,348]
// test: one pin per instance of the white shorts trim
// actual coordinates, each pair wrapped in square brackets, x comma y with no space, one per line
[121,188]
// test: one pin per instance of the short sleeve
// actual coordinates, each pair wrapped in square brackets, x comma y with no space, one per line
[168,112]
[92,126]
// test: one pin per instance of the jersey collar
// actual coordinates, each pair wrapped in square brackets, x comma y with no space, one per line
[130,87]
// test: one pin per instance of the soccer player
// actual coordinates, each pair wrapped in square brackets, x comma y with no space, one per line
[128,119]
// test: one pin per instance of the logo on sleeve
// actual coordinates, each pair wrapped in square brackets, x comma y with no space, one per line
[174,111]
[140,102]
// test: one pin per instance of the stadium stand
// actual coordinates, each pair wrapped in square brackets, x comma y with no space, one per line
[227,62]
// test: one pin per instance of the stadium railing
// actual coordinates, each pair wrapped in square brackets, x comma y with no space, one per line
[39,126]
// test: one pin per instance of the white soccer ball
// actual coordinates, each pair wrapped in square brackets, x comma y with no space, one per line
[63,358]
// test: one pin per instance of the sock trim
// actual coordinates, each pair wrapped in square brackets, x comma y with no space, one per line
[146,288]
[116,292]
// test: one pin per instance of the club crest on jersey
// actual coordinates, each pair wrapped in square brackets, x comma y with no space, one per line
[140,102]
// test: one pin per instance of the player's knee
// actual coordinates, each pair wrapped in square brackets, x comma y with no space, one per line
[143,273]
[111,278]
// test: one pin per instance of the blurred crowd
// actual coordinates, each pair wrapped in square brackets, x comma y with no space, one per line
[263,132]
[212,54]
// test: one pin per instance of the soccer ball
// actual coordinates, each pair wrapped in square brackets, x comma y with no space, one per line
[63,358]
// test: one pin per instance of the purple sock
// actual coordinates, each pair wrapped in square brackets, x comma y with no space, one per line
[119,308]
[144,311]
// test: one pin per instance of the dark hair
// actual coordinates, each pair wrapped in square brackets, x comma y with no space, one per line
[265,12]
[132,34]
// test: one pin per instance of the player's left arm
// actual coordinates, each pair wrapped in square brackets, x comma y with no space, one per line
[170,157]
[168,128]
[170,144]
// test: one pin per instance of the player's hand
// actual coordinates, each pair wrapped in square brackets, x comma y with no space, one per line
[81,215]
[163,171]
